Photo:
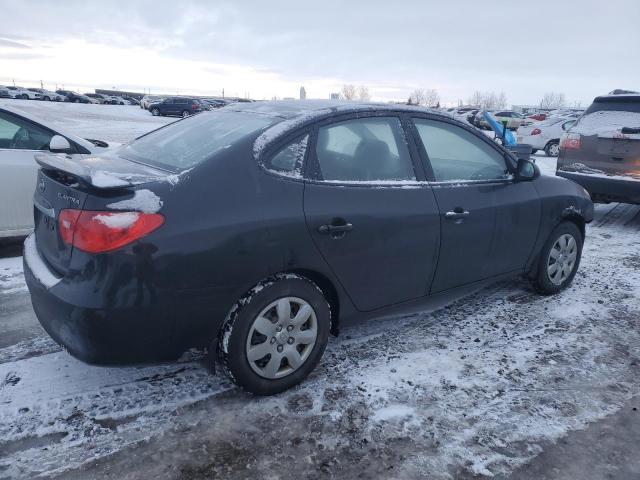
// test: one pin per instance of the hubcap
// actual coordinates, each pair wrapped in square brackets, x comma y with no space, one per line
[562,259]
[554,149]
[282,337]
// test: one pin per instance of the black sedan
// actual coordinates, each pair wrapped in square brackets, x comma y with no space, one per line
[257,230]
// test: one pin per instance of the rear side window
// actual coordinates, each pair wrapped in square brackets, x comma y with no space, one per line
[289,159]
[364,149]
[186,143]
[458,155]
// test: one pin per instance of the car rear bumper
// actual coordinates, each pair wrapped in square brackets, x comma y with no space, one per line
[606,189]
[155,329]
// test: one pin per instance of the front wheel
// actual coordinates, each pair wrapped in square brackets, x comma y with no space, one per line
[552,149]
[559,259]
[155,112]
[275,335]
[185,113]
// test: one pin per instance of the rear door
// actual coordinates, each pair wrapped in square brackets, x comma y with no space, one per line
[372,219]
[488,221]
[20,140]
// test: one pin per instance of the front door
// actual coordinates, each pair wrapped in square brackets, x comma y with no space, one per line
[375,225]
[488,221]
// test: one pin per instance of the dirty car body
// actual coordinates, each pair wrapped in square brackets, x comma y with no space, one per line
[241,195]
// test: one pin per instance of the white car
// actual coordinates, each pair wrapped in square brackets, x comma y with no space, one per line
[545,135]
[21,138]
[23,93]
[48,95]
[148,100]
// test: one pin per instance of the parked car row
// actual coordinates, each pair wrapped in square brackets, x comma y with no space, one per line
[61,95]
[180,106]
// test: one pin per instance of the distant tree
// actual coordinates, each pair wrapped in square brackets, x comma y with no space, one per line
[432,97]
[418,97]
[428,98]
[348,92]
[363,94]
[553,100]
[502,100]
[476,99]
[488,100]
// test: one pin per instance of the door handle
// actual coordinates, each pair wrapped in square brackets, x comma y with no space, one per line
[456,214]
[347,227]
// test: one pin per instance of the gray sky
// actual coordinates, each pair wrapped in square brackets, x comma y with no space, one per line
[271,48]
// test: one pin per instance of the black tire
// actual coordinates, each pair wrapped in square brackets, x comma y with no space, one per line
[232,341]
[533,150]
[542,282]
[78,100]
[46,99]
[551,149]
[155,112]
[185,113]
[24,96]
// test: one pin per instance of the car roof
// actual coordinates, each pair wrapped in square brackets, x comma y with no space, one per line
[312,109]
[288,115]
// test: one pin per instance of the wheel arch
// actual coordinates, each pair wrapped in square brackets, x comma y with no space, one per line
[329,291]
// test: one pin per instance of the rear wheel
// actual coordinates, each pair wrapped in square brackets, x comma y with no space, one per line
[552,149]
[46,99]
[275,335]
[559,259]
[155,112]
[24,96]
[185,113]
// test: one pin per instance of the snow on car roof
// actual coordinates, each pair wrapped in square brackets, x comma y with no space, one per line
[295,113]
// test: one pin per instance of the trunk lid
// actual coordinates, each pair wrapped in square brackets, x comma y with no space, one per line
[66,183]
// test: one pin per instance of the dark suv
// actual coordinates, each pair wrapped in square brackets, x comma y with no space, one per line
[74,97]
[176,106]
[601,151]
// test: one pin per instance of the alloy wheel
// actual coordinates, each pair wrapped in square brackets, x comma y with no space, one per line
[562,259]
[281,337]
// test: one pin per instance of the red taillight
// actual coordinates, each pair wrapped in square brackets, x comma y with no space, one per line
[536,131]
[195,106]
[98,232]
[570,141]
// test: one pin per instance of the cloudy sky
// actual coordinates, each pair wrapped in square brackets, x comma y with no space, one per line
[270,48]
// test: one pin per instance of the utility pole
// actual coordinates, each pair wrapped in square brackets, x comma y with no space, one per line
[41,85]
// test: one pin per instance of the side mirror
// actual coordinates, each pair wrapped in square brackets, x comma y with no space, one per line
[526,170]
[59,144]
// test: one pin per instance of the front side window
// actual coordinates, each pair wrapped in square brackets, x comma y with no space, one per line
[21,135]
[289,159]
[364,150]
[458,155]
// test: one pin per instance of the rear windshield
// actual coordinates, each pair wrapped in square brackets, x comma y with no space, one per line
[617,104]
[186,143]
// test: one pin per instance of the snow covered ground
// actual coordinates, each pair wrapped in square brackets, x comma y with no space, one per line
[477,387]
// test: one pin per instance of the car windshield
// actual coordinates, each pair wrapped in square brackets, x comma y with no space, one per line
[187,143]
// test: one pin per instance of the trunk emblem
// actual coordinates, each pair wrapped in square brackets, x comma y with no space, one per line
[69,198]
